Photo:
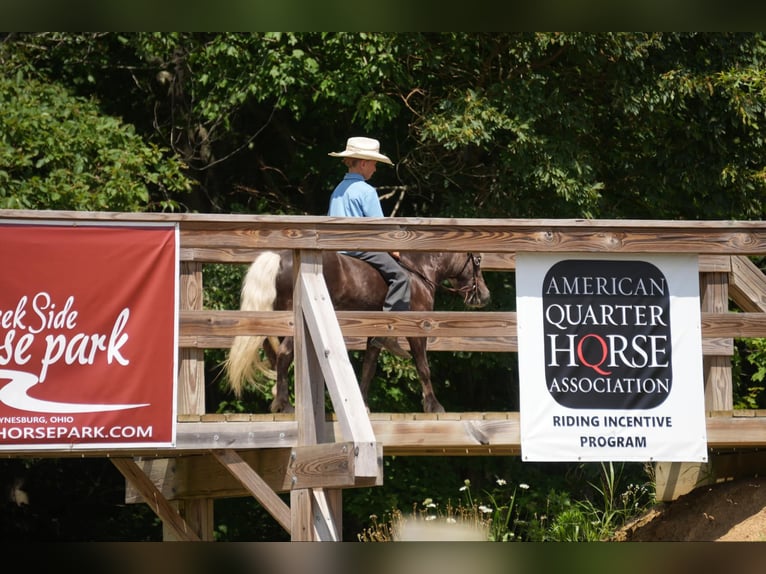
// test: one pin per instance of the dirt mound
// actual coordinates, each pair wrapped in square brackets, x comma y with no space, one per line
[729,511]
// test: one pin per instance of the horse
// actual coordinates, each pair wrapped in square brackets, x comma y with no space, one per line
[354,285]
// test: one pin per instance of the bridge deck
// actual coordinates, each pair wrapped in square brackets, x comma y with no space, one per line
[401,434]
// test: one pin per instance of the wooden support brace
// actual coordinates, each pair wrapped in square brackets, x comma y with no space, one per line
[256,485]
[747,285]
[338,373]
[154,498]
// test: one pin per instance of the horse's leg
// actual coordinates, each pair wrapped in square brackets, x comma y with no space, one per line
[271,357]
[270,351]
[281,402]
[418,349]
[369,367]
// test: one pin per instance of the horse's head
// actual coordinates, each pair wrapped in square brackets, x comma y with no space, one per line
[469,281]
[461,270]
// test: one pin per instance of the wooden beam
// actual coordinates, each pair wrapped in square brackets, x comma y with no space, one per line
[155,499]
[477,336]
[411,434]
[327,510]
[506,235]
[733,324]
[483,235]
[324,465]
[311,521]
[747,285]
[417,434]
[339,376]
[255,485]
[507,262]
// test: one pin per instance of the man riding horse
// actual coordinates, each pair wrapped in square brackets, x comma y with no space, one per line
[409,283]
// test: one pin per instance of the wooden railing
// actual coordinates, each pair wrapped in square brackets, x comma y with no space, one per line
[263,450]
[725,273]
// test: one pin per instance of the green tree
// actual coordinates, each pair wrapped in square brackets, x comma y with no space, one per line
[607,125]
[60,152]
[492,125]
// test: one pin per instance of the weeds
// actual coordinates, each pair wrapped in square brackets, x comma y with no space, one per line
[517,513]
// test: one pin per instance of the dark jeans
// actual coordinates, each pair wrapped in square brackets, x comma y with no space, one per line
[398,280]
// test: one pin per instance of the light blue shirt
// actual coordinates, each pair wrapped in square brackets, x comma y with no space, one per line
[354,197]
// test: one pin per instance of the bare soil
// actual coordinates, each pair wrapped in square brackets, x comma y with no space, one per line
[732,511]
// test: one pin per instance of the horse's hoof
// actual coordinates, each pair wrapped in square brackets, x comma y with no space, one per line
[433,407]
[282,408]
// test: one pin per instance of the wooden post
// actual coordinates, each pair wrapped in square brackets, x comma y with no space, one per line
[198,512]
[316,512]
[674,479]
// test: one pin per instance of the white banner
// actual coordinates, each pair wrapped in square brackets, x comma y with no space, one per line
[610,358]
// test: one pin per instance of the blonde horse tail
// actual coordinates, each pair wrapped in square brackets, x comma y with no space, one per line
[259,290]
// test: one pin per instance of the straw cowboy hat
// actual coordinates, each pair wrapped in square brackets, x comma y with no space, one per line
[362,148]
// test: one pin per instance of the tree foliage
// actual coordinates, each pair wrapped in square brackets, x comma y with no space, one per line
[61,152]
[641,125]
[604,125]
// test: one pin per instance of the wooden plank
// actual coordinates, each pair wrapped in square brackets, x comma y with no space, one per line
[483,235]
[734,324]
[747,285]
[202,475]
[358,323]
[507,262]
[714,298]
[327,509]
[309,379]
[232,323]
[477,326]
[736,432]
[399,434]
[191,399]
[710,346]
[219,254]
[255,485]
[198,513]
[155,500]
[714,263]
[491,262]
[674,479]
[302,516]
[339,375]
[722,347]
[327,465]
[215,231]
[313,507]
[159,471]
[191,376]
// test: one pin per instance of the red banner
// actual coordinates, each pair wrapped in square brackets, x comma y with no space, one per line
[88,335]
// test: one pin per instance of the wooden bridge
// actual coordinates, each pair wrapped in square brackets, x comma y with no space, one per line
[313,455]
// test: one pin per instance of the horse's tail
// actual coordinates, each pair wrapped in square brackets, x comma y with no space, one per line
[259,290]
